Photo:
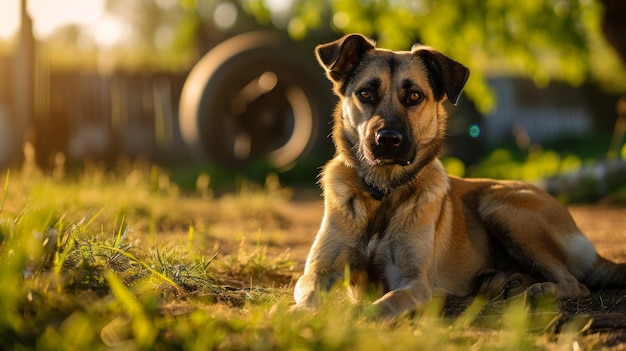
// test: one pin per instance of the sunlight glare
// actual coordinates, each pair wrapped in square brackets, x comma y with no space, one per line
[108,31]
[49,15]
[225,15]
[280,11]
[9,18]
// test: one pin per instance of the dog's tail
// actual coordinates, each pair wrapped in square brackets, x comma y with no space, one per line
[606,274]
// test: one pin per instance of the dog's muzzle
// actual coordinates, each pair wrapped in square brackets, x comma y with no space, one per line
[391,147]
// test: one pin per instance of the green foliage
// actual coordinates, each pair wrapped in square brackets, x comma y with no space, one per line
[454,166]
[540,39]
[537,165]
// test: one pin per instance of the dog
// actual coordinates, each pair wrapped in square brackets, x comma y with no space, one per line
[394,219]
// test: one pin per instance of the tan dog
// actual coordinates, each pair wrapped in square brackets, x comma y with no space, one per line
[394,216]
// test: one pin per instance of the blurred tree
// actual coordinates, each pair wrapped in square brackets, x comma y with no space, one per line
[540,39]
[150,21]
[180,31]
[155,27]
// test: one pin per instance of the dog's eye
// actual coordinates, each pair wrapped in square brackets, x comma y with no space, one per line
[365,95]
[413,98]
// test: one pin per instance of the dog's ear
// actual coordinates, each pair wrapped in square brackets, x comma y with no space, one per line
[444,74]
[340,57]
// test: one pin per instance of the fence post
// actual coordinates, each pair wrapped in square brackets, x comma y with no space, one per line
[23,81]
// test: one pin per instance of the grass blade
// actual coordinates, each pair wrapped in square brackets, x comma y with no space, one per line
[143,331]
[5,191]
[145,265]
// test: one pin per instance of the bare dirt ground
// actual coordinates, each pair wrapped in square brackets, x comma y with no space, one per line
[605,226]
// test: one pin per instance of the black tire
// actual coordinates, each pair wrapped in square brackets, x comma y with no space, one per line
[253,97]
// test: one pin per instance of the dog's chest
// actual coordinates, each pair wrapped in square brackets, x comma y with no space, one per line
[384,253]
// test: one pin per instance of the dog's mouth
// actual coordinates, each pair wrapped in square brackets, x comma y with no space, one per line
[390,161]
[378,158]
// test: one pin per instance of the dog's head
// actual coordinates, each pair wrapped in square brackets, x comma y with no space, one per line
[390,121]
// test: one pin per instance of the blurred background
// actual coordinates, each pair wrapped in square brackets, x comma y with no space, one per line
[234,86]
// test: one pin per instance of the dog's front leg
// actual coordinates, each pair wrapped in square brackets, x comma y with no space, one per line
[333,250]
[407,256]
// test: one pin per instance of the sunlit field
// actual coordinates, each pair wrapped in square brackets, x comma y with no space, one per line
[127,260]
[134,256]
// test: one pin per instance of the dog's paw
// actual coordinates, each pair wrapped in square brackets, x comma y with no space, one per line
[397,304]
[548,290]
[542,292]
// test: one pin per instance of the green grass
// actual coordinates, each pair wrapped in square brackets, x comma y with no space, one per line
[122,261]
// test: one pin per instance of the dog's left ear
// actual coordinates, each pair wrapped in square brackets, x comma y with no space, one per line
[340,57]
[444,74]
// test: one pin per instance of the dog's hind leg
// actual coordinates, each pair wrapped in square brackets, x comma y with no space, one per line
[501,285]
[540,237]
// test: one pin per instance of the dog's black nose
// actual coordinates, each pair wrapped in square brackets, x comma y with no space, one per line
[388,138]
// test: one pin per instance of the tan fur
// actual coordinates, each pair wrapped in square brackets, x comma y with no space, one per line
[395,218]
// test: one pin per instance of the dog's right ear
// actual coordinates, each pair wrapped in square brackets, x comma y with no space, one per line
[445,75]
[340,57]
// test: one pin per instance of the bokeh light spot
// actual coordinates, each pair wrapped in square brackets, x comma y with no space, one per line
[474,130]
